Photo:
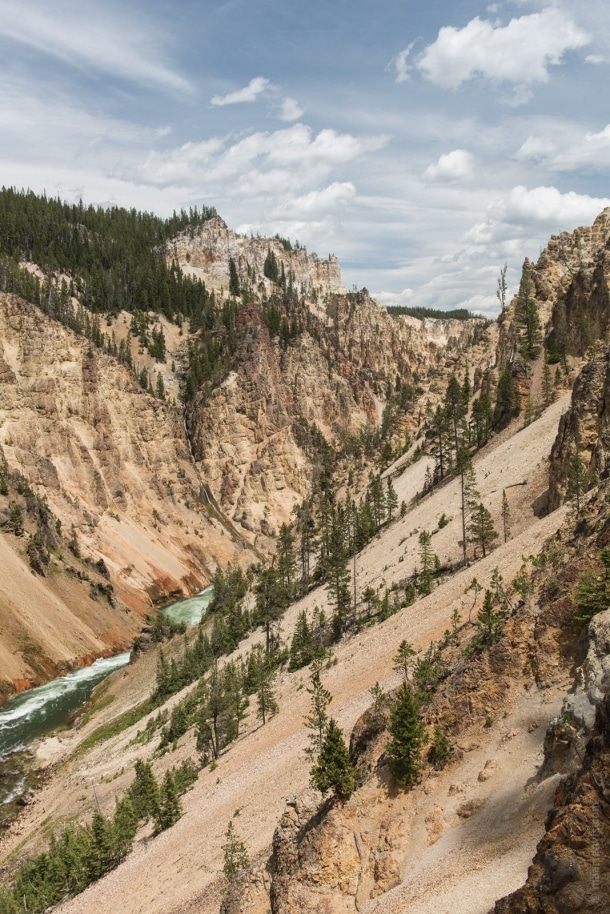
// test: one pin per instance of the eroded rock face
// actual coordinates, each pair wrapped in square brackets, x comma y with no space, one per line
[329,857]
[112,461]
[568,734]
[207,251]
[252,433]
[571,870]
[570,285]
[585,429]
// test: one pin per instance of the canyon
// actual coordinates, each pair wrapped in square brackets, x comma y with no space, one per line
[164,492]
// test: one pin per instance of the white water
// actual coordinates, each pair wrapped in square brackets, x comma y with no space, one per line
[35,712]
[32,714]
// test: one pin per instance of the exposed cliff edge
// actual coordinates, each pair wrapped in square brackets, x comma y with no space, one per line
[206,253]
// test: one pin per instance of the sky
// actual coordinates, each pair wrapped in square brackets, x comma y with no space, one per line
[425,144]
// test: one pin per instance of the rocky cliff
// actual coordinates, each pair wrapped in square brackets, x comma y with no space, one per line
[114,466]
[584,431]
[571,869]
[569,287]
[255,432]
[207,251]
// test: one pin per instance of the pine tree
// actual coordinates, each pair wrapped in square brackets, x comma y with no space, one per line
[468,495]
[547,383]
[305,645]
[317,719]
[236,700]
[235,853]
[378,502]
[402,660]
[482,416]
[234,287]
[333,769]
[526,317]
[441,750]
[286,560]
[439,429]
[489,620]
[502,288]
[481,528]
[15,521]
[592,594]
[466,388]
[124,827]
[408,737]
[270,267]
[391,499]
[427,673]
[170,807]
[337,574]
[505,516]
[325,513]
[305,529]
[508,398]
[101,846]
[578,481]
[264,676]
[427,559]
[144,791]
[530,412]
[217,725]
[456,409]
[271,601]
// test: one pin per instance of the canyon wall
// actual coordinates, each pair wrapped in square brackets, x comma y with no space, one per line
[114,466]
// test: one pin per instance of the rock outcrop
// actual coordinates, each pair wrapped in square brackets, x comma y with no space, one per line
[570,873]
[584,431]
[207,251]
[569,285]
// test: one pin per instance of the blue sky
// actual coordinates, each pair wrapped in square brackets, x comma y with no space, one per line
[423,144]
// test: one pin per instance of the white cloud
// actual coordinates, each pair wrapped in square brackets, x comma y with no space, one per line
[403,67]
[549,205]
[290,110]
[457,165]
[248,94]
[284,173]
[93,39]
[519,53]
[536,149]
[596,59]
[394,299]
[180,165]
[523,214]
[314,218]
[318,202]
[562,147]
[591,152]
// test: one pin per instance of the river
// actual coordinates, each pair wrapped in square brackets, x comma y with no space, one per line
[191,610]
[36,712]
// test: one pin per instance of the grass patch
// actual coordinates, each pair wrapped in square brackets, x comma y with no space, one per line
[100,700]
[116,726]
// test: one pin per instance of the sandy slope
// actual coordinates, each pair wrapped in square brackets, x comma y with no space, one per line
[473,861]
